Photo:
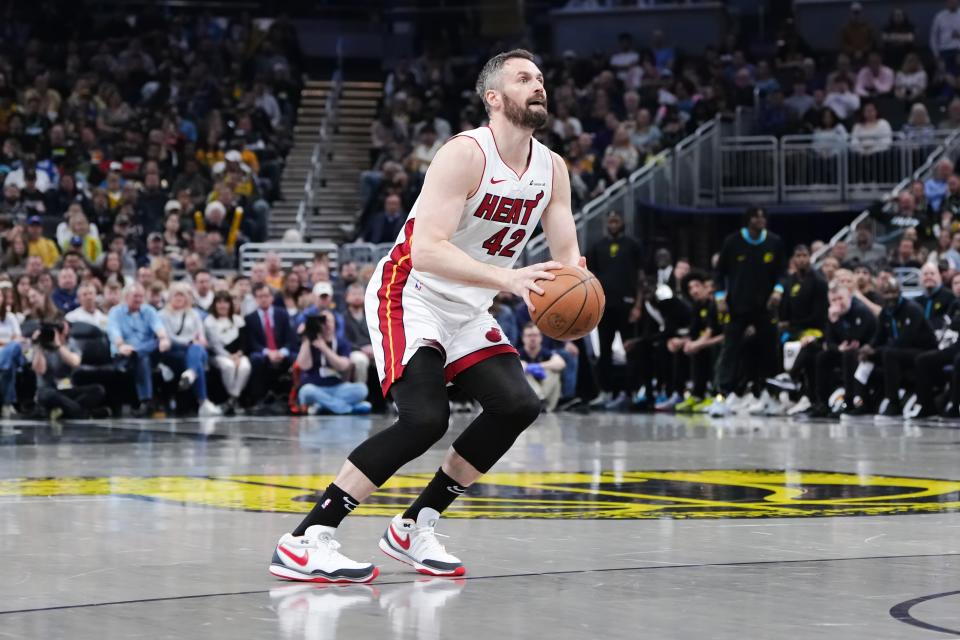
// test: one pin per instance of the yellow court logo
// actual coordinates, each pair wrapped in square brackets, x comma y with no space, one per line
[566,495]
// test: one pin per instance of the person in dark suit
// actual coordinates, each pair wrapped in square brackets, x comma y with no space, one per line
[269,340]
[385,226]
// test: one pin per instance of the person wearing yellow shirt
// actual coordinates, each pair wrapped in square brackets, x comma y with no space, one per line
[78,235]
[38,245]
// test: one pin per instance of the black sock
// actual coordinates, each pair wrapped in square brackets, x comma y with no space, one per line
[439,494]
[334,505]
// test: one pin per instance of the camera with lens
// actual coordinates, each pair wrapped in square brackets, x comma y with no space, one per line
[48,335]
[313,326]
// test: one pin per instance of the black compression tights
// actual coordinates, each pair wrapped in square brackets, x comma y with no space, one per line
[497,383]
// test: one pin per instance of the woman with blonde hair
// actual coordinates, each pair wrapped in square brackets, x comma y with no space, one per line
[911,79]
[78,233]
[162,270]
[188,345]
[225,334]
[919,128]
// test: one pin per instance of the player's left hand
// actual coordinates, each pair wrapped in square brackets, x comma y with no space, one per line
[523,281]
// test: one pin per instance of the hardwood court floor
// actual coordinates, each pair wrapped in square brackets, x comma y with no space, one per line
[606,526]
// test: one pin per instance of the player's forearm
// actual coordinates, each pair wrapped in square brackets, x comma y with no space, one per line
[568,255]
[442,258]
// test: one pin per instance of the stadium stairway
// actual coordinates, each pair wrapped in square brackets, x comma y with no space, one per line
[346,154]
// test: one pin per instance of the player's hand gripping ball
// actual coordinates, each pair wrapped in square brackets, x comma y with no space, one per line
[571,305]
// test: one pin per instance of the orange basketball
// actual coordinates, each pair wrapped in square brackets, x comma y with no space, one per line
[571,304]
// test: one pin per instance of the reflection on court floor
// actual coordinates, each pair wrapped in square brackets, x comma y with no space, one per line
[608,526]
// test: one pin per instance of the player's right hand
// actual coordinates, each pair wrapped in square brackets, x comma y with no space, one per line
[523,281]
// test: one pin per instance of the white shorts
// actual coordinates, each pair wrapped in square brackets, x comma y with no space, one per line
[403,315]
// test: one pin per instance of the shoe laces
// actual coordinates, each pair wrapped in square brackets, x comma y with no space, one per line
[326,543]
[428,539]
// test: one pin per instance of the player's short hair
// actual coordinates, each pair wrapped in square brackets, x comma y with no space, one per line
[491,70]
[752,212]
[695,275]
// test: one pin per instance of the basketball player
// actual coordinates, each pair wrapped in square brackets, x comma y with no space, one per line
[427,310]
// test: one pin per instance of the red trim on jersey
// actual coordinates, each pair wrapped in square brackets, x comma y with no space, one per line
[396,271]
[460,365]
[553,170]
[482,173]
[529,155]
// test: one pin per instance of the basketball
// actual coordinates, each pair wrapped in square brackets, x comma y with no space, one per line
[571,304]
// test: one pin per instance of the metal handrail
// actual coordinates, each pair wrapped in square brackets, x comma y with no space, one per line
[924,169]
[654,164]
[315,175]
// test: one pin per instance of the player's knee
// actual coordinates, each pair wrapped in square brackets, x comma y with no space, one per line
[520,407]
[429,421]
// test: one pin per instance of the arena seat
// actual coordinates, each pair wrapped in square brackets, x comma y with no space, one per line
[289,253]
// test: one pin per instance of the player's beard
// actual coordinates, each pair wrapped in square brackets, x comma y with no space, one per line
[524,117]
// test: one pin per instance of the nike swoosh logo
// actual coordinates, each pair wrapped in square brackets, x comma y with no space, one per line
[300,560]
[404,542]
[495,181]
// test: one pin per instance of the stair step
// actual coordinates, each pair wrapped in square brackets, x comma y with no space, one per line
[336,204]
[335,200]
[347,83]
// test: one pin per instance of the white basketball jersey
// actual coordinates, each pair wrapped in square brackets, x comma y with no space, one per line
[497,220]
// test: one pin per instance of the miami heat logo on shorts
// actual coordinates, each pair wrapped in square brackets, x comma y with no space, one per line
[494,335]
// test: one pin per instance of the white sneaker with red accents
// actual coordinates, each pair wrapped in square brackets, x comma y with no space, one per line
[313,557]
[416,544]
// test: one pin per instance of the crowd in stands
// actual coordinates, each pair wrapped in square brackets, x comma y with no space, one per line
[129,188]
[662,336]
[882,80]
[136,156]
[609,115]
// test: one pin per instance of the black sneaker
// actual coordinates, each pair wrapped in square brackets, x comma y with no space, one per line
[144,410]
[891,411]
[857,410]
[819,410]
[569,404]
[950,411]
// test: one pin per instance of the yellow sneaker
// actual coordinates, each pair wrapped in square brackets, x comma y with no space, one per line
[687,405]
[703,406]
